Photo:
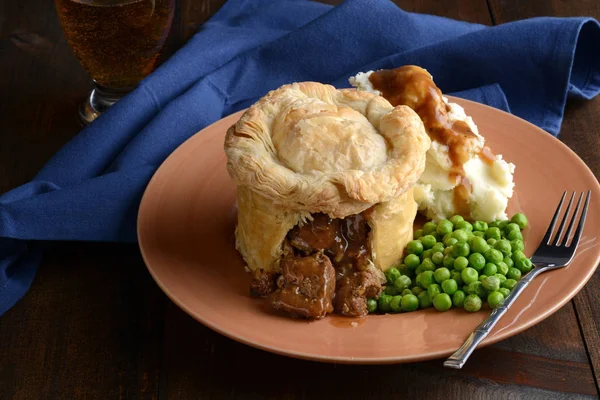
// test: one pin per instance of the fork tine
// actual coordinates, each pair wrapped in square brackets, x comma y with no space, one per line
[548,234]
[579,229]
[573,220]
[563,223]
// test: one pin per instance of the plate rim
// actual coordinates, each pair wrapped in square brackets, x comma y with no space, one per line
[378,360]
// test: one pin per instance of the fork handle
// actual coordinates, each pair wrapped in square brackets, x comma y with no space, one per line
[459,358]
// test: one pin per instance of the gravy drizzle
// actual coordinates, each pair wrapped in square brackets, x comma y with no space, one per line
[412,86]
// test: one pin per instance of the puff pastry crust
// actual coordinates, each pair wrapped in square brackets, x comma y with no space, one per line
[310,148]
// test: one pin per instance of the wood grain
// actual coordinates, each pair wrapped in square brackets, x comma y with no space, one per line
[41,88]
[90,327]
[94,324]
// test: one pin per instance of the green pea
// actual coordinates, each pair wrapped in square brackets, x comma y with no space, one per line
[514,235]
[518,255]
[504,247]
[490,269]
[491,242]
[437,258]
[455,219]
[449,286]
[509,284]
[428,241]
[426,279]
[479,234]
[458,298]
[480,226]
[429,228]
[465,288]
[410,302]
[433,290]
[494,224]
[460,263]
[460,235]
[476,288]
[493,256]
[502,224]
[438,247]
[469,275]
[424,300]
[472,303]
[384,303]
[426,254]
[449,250]
[505,292]
[481,277]
[500,277]
[412,261]
[526,266]
[513,273]
[464,225]
[448,261]
[371,305]
[509,262]
[479,245]
[512,227]
[476,261]
[441,274]
[390,290]
[502,268]
[416,290]
[517,245]
[404,270]
[491,283]
[414,247]
[444,227]
[494,299]
[417,234]
[395,303]
[520,219]
[450,242]
[403,282]
[427,265]
[457,277]
[461,249]
[442,302]
[392,274]
[493,233]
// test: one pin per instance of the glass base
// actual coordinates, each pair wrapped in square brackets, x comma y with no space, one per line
[98,101]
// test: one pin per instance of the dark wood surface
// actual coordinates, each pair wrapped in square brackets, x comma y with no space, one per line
[95,326]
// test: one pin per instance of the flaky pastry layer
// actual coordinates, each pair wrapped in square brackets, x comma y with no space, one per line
[310,148]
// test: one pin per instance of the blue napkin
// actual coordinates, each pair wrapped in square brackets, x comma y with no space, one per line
[91,188]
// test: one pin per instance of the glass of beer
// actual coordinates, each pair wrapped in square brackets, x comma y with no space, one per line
[117,42]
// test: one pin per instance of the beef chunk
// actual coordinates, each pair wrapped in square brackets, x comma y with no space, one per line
[318,234]
[353,290]
[306,286]
[263,283]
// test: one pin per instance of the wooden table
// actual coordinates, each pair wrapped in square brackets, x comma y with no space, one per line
[95,326]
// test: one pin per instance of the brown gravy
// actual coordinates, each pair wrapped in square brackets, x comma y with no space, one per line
[412,86]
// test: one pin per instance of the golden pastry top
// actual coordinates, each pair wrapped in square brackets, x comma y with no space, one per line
[314,148]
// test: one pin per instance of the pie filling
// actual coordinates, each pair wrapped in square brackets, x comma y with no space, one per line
[326,267]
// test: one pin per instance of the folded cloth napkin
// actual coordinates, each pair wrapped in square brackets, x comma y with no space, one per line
[91,188]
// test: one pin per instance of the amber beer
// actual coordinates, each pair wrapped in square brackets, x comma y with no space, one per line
[116,41]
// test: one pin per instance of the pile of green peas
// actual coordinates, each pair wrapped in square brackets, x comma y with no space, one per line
[456,263]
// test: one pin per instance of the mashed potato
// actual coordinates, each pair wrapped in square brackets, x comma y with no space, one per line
[491,183]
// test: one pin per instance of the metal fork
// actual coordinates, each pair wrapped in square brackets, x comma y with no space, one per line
[548,256]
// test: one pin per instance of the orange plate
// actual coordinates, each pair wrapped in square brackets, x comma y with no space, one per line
[186,234]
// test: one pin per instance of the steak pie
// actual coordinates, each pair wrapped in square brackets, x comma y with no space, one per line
[325,194]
